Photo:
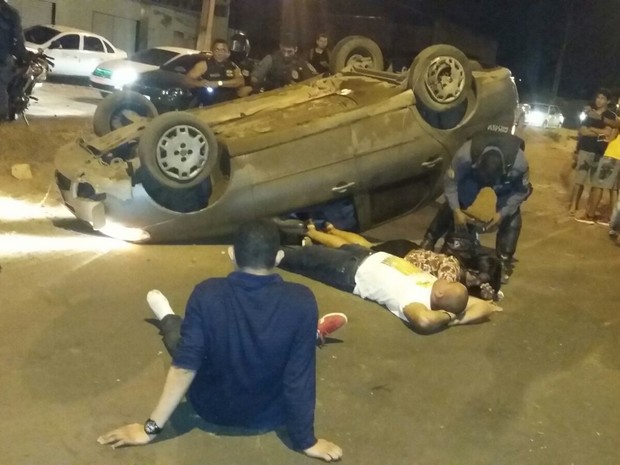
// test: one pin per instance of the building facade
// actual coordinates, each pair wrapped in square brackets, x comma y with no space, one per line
[129,24]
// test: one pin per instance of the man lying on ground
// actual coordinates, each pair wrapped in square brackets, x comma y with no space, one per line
[481,273]
[426,303]
[245,352]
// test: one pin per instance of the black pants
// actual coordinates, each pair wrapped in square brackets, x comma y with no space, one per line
[505,241]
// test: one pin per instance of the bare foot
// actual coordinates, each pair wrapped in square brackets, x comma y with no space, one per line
[329,227]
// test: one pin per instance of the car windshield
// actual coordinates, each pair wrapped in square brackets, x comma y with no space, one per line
[153,56]
[40,34]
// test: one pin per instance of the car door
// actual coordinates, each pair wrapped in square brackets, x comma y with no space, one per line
[401,170]
[92,54]
[65,52]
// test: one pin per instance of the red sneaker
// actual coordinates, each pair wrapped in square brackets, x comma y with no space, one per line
[329,324]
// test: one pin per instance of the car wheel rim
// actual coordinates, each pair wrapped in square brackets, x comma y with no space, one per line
[182,153]
[445,79]
[360,61]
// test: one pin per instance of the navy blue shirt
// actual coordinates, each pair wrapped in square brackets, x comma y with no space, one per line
[252,341]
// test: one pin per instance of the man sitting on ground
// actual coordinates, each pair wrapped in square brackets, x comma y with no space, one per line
[246,351]
[428,304]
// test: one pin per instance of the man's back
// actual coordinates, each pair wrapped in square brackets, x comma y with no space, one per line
[252,340]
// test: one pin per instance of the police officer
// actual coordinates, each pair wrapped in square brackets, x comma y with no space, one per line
[489,159]
[216,79]
[240,55]
[11,44]
[282,68]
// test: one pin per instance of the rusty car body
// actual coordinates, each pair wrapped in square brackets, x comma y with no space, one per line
[375,140]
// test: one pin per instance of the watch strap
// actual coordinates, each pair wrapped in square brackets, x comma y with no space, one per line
[151,427]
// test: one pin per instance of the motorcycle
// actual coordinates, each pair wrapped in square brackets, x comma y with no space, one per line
[28,74]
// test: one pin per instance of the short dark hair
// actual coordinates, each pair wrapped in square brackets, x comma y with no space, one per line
[256,244]
[322,35]
[491,166]
[604,91]
[216,42]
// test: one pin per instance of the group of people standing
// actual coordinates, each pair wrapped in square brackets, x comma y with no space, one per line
[597,164]
[231,73]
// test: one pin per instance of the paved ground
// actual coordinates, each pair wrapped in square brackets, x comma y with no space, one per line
[538,385]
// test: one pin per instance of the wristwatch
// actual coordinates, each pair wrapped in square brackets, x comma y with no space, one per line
[150,427]
[220,83]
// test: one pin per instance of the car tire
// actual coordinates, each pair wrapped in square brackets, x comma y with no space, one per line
[178,150]
[109,113]
[427,70]
[356,50]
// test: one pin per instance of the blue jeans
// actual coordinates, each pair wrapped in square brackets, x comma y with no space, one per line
[334,267]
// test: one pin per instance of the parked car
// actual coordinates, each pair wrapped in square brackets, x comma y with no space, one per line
[75,52]
[373,141]
[116,74]
[543,115]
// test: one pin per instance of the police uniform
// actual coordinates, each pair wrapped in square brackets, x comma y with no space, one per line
[461,186]
[275,71]
[218,71]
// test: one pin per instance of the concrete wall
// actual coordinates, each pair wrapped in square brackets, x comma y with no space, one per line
[129,24]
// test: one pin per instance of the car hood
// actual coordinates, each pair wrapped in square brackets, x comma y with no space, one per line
[115,65]
[32,47]
[161,79]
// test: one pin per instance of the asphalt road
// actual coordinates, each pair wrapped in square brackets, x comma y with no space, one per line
[537,385]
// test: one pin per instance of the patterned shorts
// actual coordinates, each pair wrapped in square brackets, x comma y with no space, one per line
[439,265]
[606,175]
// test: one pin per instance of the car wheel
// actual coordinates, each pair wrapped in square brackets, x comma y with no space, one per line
[440,77]
[178,150]
[119,109]
[357,51]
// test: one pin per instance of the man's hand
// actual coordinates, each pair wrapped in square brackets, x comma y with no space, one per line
[129,435]
[324,450]
[460,219]
[497,219]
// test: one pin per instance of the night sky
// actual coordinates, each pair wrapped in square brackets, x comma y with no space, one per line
[530,35]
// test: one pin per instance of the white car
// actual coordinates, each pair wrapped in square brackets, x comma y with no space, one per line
[75,52]
[543,115]
[114,75]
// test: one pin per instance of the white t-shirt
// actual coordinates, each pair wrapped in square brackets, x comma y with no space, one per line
[393,282]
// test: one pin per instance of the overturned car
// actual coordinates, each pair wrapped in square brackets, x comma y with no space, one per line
[374,142]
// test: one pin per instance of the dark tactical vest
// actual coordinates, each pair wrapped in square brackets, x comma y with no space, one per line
[216,71]
[283,73]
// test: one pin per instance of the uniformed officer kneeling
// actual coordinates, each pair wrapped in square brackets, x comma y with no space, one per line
[489,159]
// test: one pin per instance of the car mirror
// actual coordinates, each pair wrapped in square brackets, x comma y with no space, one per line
[55,44]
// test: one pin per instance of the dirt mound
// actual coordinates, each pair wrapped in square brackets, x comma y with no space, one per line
[36,145]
